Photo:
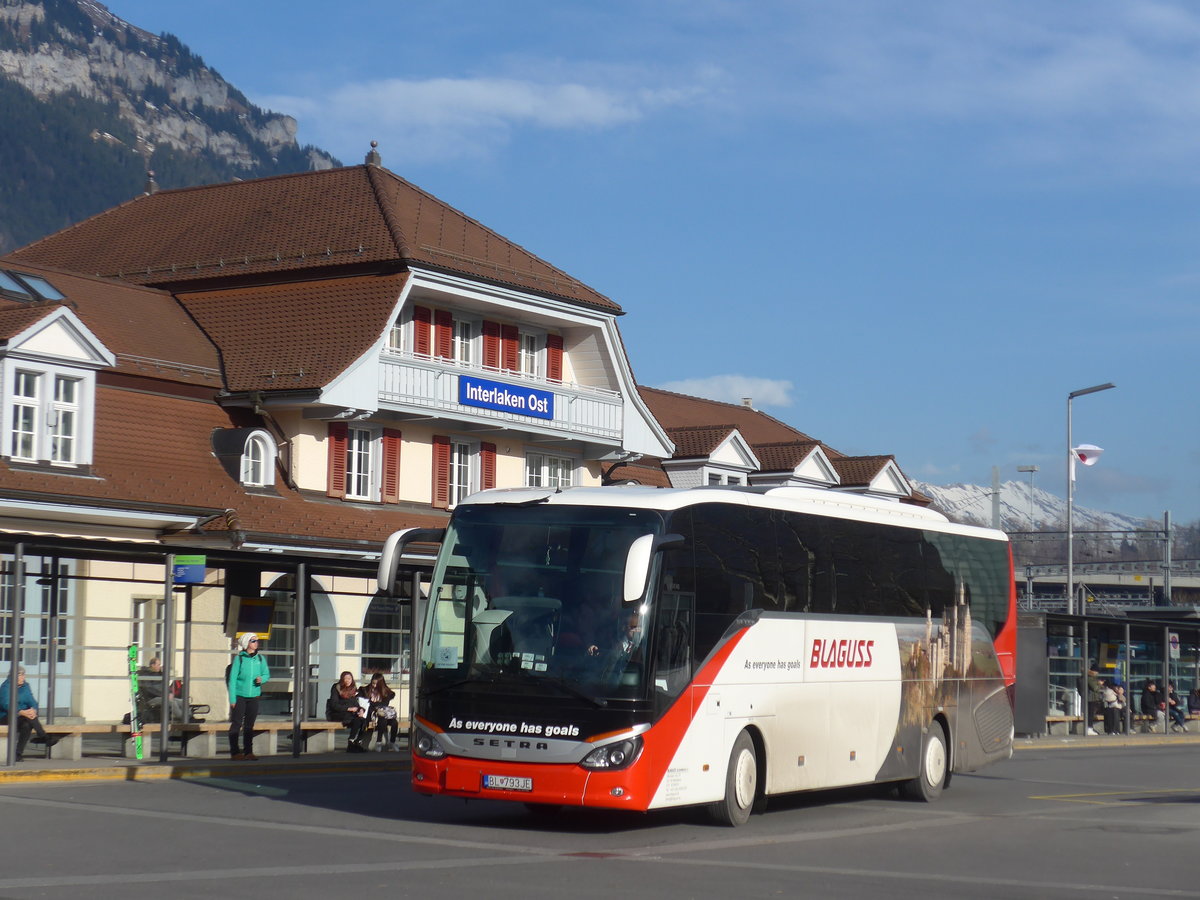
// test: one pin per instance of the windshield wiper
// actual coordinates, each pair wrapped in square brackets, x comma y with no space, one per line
[470,679]
[599,702]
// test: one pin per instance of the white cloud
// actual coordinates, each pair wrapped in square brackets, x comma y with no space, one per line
[1042,84]
[1048,85]
[734,388]
[440,118]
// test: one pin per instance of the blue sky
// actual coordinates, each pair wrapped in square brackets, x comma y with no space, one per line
[903,228]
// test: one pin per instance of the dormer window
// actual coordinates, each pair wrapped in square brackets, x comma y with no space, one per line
[48,384]
[258,460]
[46,412]
[247,454]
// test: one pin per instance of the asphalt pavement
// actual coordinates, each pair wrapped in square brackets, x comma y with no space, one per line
[35,768]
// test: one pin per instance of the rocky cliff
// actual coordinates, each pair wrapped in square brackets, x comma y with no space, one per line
[145,102]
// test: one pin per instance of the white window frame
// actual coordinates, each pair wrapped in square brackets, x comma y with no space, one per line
[25,414]
[531,346]
[147,629]
[399,336]
[463,339]
[64,420]
[258,460]
[61,431]
[463,477]
[363,453]
[550,470]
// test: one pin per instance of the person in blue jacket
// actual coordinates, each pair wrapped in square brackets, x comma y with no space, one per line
[247,674]
[27,714]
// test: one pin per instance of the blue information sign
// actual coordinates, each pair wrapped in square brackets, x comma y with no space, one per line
[525,401]
[189,569]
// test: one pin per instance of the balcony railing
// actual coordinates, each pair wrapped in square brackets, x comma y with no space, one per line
[428,384]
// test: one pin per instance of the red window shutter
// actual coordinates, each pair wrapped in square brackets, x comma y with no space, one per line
[491,345]
[337,459]
[443,334]
[422,326]
[391,465]
[509,338]
[487,466]
[441,471]
[554,353]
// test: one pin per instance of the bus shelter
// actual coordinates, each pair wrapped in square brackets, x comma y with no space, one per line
[72,609]
[1055,651]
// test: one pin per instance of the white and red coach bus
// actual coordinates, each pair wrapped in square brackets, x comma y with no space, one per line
[638,648]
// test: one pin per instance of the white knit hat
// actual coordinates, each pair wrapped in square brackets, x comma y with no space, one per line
[245,639]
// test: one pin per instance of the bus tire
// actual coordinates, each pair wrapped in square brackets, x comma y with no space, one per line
[741,784]
[934,769]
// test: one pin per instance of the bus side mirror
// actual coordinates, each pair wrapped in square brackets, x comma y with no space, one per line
[637,562]
[393,550]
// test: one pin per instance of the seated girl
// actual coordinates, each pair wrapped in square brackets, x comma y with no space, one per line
[343,706]
[382,714]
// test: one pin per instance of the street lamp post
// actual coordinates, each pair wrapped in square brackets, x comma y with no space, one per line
[1031,470]
[1071,493]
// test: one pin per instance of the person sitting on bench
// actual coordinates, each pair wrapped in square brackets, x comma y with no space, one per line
[150,694]
[27,714]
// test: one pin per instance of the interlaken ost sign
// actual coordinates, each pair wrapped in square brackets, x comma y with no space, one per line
[511,398]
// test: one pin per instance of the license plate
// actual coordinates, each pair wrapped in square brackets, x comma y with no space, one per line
[507,783]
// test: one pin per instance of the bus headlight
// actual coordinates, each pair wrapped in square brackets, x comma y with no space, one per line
[620,755]
[427,746]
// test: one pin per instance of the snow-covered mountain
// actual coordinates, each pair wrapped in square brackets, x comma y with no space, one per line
[972,504]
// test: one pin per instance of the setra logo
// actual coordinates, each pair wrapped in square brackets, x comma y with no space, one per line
[841,654]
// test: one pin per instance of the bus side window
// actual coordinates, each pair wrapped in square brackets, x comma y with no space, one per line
[735,570]
[673,640]
[797,565]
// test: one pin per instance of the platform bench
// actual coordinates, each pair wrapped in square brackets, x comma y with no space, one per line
[203,740]
[70,739]
[1063,724]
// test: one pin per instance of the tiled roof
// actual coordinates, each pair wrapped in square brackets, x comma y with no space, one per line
[778,446]
[297,335]
[856,471]
[699,441]
[145,328]
[783,456]
[681,411]
[15,317]
[289,225]
[647,471]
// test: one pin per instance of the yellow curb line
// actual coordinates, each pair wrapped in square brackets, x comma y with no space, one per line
[166,773]
[1051,742]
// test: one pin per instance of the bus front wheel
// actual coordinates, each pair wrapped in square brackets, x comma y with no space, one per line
[931,778]
[741,784]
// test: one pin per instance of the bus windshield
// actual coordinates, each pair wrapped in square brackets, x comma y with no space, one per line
[529,598]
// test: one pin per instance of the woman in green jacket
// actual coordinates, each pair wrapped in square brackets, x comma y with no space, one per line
[247,674]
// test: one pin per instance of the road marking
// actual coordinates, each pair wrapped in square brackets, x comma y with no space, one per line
[1108,798]
[240,874]
[796,837]
[257,825]
[1037,887]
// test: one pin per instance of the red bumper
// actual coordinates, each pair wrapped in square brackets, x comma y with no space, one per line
[566,785]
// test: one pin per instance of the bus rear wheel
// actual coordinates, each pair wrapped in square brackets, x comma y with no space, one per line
[932,777]
[741,784]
